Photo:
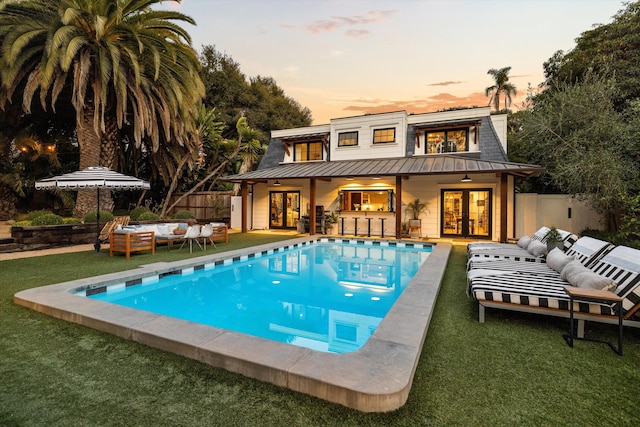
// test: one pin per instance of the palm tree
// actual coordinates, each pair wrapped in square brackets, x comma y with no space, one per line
[501,87]
[120,62]
[250,150]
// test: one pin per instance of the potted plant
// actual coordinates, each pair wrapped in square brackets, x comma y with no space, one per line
[330,220]
[416,208]
[554,239]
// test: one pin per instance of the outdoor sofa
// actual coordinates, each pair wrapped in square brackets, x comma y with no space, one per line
[164,232]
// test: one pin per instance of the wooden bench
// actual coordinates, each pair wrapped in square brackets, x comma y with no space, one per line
[132,242]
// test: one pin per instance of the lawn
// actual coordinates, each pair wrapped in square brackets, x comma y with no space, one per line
[513,370]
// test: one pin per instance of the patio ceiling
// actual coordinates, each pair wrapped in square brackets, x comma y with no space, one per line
[402,166]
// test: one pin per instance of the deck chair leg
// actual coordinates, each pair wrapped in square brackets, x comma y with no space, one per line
[580,328]
[480,313]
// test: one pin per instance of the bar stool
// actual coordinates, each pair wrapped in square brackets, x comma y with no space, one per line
[342,223]
[355,227]
[368,227]
[382,227]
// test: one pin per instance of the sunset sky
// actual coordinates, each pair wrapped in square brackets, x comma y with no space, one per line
[344,58]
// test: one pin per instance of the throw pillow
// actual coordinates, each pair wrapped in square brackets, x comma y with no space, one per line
[591,280]
[571,269]
[557,259]
[524,241]
[537,248]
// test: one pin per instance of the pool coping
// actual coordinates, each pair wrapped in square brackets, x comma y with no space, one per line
[375,378]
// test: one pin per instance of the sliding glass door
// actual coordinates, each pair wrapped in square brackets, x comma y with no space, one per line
[285,209]
[466,213]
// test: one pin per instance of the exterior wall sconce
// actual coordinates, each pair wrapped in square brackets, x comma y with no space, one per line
[465,178]
[276,184]
[349,178]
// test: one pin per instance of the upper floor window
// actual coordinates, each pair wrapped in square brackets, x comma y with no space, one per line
[447,141]
[347,139]
[304,151]
[381,136]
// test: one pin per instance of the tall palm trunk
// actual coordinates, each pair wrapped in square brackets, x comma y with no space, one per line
[89,142]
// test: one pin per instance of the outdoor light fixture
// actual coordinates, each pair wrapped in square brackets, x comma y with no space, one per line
[349,178]
[276,184]
[465,178]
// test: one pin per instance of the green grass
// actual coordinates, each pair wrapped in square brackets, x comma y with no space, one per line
[513,370]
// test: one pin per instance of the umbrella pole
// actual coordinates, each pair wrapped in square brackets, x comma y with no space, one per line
[97,244]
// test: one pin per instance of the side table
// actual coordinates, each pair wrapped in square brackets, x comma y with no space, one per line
[593,295]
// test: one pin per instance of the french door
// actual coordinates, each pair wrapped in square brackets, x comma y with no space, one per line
[466,213]
[285,209]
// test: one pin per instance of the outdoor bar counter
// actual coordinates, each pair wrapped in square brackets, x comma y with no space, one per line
[367,223]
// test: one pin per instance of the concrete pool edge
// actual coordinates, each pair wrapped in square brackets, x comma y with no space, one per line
[376,378]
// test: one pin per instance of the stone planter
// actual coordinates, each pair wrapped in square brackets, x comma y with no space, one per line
[54,236]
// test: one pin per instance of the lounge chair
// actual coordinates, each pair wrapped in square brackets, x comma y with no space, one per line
[534,252]
[546,295]
[586,249]
[112,225]
[539,235]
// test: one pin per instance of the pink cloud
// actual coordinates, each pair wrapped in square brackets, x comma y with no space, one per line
[449,83]
[336,22]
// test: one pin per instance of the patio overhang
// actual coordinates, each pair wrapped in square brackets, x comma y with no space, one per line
[405,167]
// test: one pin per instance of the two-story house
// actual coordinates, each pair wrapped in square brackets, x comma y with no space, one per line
[366,169]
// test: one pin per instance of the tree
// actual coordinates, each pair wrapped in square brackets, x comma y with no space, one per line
[612,49]
[501,87]
[250,149]
[121,61]
[259,99]
[585,145]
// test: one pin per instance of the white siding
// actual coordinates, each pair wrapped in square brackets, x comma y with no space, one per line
[365,125]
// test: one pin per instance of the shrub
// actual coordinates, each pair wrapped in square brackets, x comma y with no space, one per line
[184,215]
[47,219]
[135,214]
[35,214]
[72,220]
[148,216]
[104,217]
[22,223]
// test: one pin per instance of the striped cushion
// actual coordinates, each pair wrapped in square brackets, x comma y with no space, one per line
[587,250]
[533,291]
[622,264]
[538,235]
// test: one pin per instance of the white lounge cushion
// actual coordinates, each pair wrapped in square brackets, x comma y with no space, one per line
[537,248]
[557,259]
[582,277]
[524,241]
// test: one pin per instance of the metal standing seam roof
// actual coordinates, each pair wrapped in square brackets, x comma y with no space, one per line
[401,166]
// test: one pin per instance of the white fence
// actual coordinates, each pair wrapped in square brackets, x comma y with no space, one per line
[535,210]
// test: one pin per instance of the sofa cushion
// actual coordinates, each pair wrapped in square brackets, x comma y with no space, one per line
[524,241]
[537,248]
[557,259]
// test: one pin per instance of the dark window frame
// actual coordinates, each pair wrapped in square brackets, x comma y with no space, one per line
[340,140]
[308,144]
[446,131]
[384,130]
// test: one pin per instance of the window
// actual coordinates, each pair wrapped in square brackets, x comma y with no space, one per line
[305,151]
[366,200]
[382,136]
[347,139]
[447,141]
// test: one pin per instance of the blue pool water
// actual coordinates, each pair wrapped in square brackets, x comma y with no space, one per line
[326,296]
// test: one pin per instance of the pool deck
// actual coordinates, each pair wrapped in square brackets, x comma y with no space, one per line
[375,378]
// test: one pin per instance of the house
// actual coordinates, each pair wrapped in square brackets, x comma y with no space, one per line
[366,169]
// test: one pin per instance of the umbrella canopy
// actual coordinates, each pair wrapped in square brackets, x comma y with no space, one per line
[94,177]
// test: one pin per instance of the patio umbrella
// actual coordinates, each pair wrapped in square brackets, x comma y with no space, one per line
[93,177]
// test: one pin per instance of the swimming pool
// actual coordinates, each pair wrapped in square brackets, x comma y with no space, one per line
[375,378]
[325,295]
